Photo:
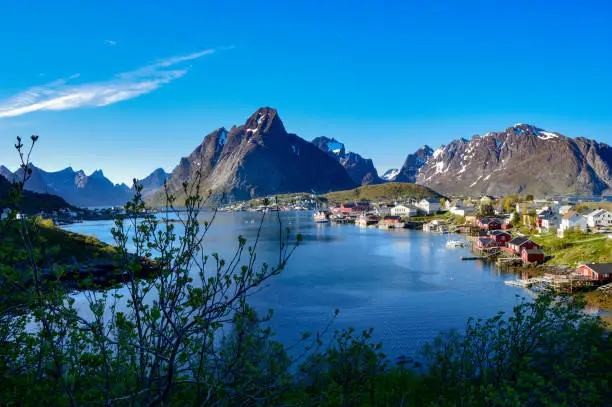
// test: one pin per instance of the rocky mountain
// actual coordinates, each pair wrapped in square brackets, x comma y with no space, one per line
[360,169]
[153,182]
[76,187]
[413,164]
[521,159]
[390,175]
[256,159]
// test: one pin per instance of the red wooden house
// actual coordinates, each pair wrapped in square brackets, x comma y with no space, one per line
[344,209]
[500,237]
[485,243]
[532,255]
[517,244]
[596,271]
[489,224]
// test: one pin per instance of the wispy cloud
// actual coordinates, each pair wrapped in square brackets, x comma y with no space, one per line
[110,42]
[61,95]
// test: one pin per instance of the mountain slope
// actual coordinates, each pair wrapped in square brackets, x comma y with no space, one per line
[153,182]
[31,202]
[521,159]
[256,159]
[412,165]
[361,170]
[75,187]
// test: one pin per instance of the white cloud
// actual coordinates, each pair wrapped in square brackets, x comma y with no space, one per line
[110,42]
[60,95]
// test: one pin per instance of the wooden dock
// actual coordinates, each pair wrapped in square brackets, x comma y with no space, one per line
[567,283]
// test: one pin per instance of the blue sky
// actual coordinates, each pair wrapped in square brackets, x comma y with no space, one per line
[131,86]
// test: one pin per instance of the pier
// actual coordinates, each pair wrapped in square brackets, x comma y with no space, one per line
[567,283]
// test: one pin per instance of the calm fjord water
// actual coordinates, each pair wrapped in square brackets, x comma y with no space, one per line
[405,284]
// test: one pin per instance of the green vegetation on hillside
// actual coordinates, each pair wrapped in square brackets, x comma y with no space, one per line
[576,248]
[387,191]
[55,245]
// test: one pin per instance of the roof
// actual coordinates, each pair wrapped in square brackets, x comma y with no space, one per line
[533,251]
[600,268]
[486,240]
[569,214]
[431,200]
[499,232]
[597,212]
[519,241]
[393,217]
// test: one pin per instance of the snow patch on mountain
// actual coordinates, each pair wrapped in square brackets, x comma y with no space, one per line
[390,175]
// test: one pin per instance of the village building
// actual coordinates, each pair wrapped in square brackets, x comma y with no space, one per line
[403,210]
[550,222]
[532,256]
[383,209]
[363,206]
[392,220]
[500,237]
[599,218]
[565,209]
[452,203]
[429,205]
[485,243]
[596,271]
[489,224]
[463,211]
[516,245]
[572,221]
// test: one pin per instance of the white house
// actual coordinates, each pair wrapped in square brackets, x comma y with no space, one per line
[452,203]
[565,209]
[551,222]
[599,217]
[463,211]
[402,210]
[572,220]
[429,205]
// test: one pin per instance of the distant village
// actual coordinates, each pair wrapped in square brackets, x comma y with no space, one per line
[497,228]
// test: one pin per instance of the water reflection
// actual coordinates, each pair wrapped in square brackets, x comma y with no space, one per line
[406,284]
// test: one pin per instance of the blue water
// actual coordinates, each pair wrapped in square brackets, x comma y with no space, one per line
[405,284]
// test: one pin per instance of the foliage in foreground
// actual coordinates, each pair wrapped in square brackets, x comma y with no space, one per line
[189,337]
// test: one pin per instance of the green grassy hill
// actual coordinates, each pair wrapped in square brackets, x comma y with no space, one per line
[387,191]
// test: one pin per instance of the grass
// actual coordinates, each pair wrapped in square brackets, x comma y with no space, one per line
[59,245]
[387,191]
[576,248]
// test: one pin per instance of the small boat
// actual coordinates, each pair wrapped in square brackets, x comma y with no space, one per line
[454,243]
[321,217]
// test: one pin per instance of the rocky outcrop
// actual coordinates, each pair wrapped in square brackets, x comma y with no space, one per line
[153,182]
[521,159]
[361,170]
[413,164]
[257,159]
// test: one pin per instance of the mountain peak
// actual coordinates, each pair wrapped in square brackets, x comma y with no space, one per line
[265,120]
